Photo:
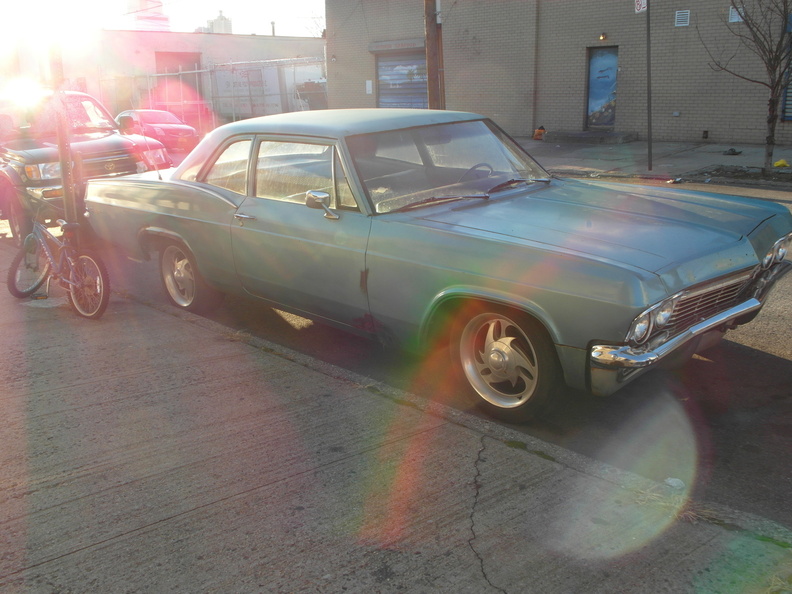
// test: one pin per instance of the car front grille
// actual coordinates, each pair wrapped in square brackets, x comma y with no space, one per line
[109,165]
[700,304]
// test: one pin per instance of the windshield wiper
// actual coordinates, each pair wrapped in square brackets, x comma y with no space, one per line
[517,180]
[438,199]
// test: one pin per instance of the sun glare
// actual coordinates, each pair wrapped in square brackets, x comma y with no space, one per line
[53,22]
[21,91]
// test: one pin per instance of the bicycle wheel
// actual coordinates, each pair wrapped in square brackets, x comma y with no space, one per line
[29,269]
[89,285]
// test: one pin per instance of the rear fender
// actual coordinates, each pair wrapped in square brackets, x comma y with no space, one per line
[150,238]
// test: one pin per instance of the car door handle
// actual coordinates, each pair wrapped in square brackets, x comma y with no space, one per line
[244,217]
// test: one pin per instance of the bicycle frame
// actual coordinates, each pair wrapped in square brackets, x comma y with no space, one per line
[63,264]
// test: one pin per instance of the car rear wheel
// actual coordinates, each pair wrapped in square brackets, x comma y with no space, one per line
[508,360]
[183,284]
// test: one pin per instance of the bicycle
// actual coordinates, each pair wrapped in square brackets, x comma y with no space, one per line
[44,257]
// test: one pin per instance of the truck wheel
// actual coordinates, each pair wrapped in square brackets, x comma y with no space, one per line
[18,221]
[183,284]
[508,360]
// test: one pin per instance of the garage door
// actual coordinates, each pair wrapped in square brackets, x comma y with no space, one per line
[401,80]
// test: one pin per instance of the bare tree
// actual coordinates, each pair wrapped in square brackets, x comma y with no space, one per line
[763,28]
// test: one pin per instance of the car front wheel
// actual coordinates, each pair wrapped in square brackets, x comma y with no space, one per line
[183,284]
[508,360]
[19,222]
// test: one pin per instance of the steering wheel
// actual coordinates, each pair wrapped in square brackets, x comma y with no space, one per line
[474,168]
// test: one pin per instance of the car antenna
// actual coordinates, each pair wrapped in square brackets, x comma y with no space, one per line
[148,150]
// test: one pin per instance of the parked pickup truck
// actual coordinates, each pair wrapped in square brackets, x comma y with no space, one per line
[30,171]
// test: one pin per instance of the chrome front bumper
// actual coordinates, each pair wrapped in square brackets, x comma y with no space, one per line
[611,367]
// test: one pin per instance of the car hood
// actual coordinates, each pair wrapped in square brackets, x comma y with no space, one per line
[181,128]
[38,150]
[662,231]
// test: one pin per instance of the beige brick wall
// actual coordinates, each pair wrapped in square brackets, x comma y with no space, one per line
[524,63]
[489,58]
[352,25]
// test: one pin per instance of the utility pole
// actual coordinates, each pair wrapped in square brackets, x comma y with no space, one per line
[644,6]
[432,55]
[71,212]
[648,85]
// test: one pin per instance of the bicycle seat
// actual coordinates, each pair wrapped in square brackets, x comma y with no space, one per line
[70,227]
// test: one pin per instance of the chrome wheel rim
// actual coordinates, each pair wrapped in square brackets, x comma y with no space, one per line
[498,360]
[179,276]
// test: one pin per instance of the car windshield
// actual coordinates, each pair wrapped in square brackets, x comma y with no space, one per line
[83,114]
[159,117]
[420,166]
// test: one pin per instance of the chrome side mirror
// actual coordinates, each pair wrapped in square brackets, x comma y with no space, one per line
[320,200]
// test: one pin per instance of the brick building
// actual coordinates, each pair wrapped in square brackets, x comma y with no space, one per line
[567,66]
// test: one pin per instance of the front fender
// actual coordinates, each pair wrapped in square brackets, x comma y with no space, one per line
[448,302]
[12,187]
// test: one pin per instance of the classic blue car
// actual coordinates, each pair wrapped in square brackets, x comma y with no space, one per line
[422,227]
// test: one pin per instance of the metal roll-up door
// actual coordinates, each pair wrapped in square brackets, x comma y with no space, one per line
[786,107]
[401,80]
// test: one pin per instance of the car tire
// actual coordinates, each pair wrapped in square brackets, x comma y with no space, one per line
[507,359]
[184,286]
[19,222]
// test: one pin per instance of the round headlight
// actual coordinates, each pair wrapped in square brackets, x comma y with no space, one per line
[769,258]
[663,313]
[782,248]
[640,328]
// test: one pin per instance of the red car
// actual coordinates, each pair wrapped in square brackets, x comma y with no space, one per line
[162,125]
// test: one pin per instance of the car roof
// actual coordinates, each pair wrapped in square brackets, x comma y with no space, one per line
[337,123]
[45,95]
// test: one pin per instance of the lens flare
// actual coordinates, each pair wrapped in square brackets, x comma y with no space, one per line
[659,438]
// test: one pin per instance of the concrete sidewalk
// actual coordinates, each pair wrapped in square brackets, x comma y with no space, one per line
[670,160]
[156,451]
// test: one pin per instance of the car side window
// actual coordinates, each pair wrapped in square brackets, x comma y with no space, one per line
[230,169]
[346,199]
[287,170]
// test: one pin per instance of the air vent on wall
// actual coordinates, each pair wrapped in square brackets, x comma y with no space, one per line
[682,18]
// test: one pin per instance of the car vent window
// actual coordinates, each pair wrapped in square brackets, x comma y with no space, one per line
[346,198]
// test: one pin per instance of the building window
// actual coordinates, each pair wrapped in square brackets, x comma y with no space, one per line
[735,15]
[786,106]
[682,18]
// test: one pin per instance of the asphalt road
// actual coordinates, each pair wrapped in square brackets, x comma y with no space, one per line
[722,423]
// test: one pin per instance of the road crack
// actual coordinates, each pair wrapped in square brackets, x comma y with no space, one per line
[477,491]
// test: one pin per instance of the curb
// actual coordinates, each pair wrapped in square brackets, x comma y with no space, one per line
[697,177]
